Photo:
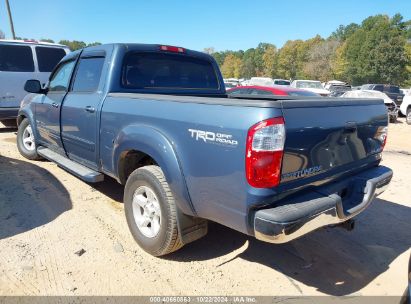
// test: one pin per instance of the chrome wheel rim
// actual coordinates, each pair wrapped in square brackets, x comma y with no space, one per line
[146,211]
[28,139]
[408,118]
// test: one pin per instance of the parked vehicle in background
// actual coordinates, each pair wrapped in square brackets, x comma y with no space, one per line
[392,91]
[405,108]
[274,90]
[158,120]
[336,90]
[229,85]
[261,81]
[21,60]
[310,85]
[392,108]
[405,91]
[282,82]
[334,83]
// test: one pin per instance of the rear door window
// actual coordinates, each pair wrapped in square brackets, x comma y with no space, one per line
[48,57]
[160,70]
[16,58]
[88,74]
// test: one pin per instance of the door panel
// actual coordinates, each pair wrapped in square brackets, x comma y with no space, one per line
[48,111]
[79,127]
[79,116]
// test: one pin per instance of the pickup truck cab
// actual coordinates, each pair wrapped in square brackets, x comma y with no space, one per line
[158,120]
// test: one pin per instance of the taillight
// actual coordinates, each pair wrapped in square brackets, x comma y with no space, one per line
[174,49]
[265,149]
[381,135]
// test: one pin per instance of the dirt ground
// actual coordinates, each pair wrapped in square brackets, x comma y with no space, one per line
[47,215]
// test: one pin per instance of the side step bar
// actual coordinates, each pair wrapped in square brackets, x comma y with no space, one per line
[82,172]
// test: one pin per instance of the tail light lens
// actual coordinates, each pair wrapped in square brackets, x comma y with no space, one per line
[381,135]
[265,149]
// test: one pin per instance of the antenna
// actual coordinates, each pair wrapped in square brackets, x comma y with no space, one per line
[10,19]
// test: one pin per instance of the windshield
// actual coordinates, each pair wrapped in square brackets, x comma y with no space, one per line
[309,85]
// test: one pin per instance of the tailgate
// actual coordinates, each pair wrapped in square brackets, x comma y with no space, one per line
[328,135]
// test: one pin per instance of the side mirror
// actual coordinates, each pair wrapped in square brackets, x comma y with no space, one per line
[34,86]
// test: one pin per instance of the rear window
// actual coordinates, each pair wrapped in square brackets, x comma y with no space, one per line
[48,57]
[16,58]
[159,70]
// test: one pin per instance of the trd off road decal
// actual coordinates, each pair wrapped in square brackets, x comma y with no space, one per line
[213,138]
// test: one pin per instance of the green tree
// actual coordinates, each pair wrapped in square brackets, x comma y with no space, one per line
[376,51]
[321,59]
[270,61]
[290,59]
[47,40]
[231,67]
[73,45]
[343,32]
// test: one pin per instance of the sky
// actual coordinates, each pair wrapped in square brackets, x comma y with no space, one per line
[194,24]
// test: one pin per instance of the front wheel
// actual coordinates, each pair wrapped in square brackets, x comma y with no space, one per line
[408,117]
[26,142]
[151,211]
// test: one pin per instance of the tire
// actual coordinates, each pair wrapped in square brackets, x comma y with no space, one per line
[9,123]
[27,147]
[160,236]
[408,117]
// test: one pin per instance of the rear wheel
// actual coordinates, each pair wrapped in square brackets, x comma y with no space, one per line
[26,142]
[408,117]
[151,211]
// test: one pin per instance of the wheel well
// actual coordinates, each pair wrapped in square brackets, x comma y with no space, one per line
[20,119]
[132,160]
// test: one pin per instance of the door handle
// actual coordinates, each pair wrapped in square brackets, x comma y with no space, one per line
[90,109]
[55,105]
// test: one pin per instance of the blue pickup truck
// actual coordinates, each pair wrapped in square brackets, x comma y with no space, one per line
[158,120]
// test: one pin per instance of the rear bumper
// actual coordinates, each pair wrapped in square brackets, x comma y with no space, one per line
[8,113]
[327,205]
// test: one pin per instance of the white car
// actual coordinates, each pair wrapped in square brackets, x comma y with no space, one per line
[334,83]
[261,81]
[405,108]
[314,86]
[392,108]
